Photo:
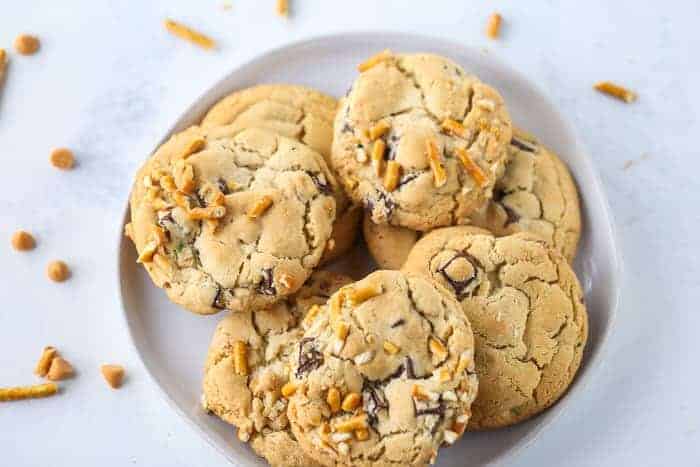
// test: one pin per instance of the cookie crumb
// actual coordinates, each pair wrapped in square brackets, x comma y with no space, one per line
[60,369]
[113,374]
[28,392]
[27,44]
[58,271]
[188,34]
[62,158]
[283,8]
[23,241]
[615,90]
[493,27]
[44,363]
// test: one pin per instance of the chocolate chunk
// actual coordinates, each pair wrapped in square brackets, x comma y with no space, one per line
[223,186]
[434,410]
[266,286]
[406,179]
[408,365]
[309,357]
[320,183]
[522,145]
[512,215]
[392,143]
[346,128]
[373,400]
[218,300]
[460,286]
[398,323]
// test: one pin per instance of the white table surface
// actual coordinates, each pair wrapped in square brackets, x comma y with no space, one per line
[108,81]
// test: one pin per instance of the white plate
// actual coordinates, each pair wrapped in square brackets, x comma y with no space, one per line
[173,342]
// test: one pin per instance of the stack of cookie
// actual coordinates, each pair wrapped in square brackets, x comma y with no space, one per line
[476,319]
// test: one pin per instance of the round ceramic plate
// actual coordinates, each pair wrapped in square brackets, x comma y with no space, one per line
[173,343]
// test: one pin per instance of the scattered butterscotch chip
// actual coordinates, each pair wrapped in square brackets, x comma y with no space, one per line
[60,369]
[23,241]
[62,158]
[44,363]
[28,392]
[184,32]
[27,44]
[113,374]
[493,27]
[57,271]
[615,90]
[382,56]
[283,8]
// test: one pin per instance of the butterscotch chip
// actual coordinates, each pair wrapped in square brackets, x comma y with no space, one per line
[26,44]
[23,241]
[28,392]
[493,28]
[60,369]
[113,374]
[184,32]
[283,8]
[58,271]
[44,363]
[62,158]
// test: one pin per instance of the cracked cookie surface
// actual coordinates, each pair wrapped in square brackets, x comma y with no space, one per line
[300,113]
[254,402]
[419,142]
[527,311]
[535,194]
[231,222]
[384,374]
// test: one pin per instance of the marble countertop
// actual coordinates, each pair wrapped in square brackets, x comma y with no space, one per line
[108,82]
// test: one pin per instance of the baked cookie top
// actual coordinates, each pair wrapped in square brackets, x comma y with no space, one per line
[526,308]
[300,113]
[419,142]
[232,223]
[384,374]
[536,194]
[248,365]
[388,245]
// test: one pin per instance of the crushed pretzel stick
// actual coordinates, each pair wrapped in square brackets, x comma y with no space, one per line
[378,156]
[615,90]
[382,56]
[188,34]
[28,392]
[493,27]
[453,127]
[44,363]
[210,212]
[260,206]
[392,175]
[379,129]
[439,174]
[193,146]
[3,64]
[240,358]
[471,167]
[283,8]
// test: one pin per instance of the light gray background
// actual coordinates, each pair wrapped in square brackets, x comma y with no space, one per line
[109,81]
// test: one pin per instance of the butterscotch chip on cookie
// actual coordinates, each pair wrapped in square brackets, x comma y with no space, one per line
[233,222]
[526,306]
[257,402]
[396,349]
[300,113]
[445,131]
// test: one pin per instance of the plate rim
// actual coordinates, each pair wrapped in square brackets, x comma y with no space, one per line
[210,95]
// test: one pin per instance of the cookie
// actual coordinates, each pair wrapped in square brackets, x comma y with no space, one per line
[536,194]
[384,374]
[253,401]
[299,113]
[231,222]
[388,245]
[527,311]
[419,142]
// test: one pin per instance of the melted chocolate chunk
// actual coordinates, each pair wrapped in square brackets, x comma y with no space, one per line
[435,410]
[198,200]
[398,323]
[309,357]
[346,128]
[223,187]
[408,365]
[392,143]
[322,185]
[218,302]
[373,400]
[512,215]
[522,145]
[460,286]
[266,286]
[406,179]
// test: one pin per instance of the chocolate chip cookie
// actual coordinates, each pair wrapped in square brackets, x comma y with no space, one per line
[419,142]
[384,374]
[527,311]
[299,113]
[247,368]
[231,222]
